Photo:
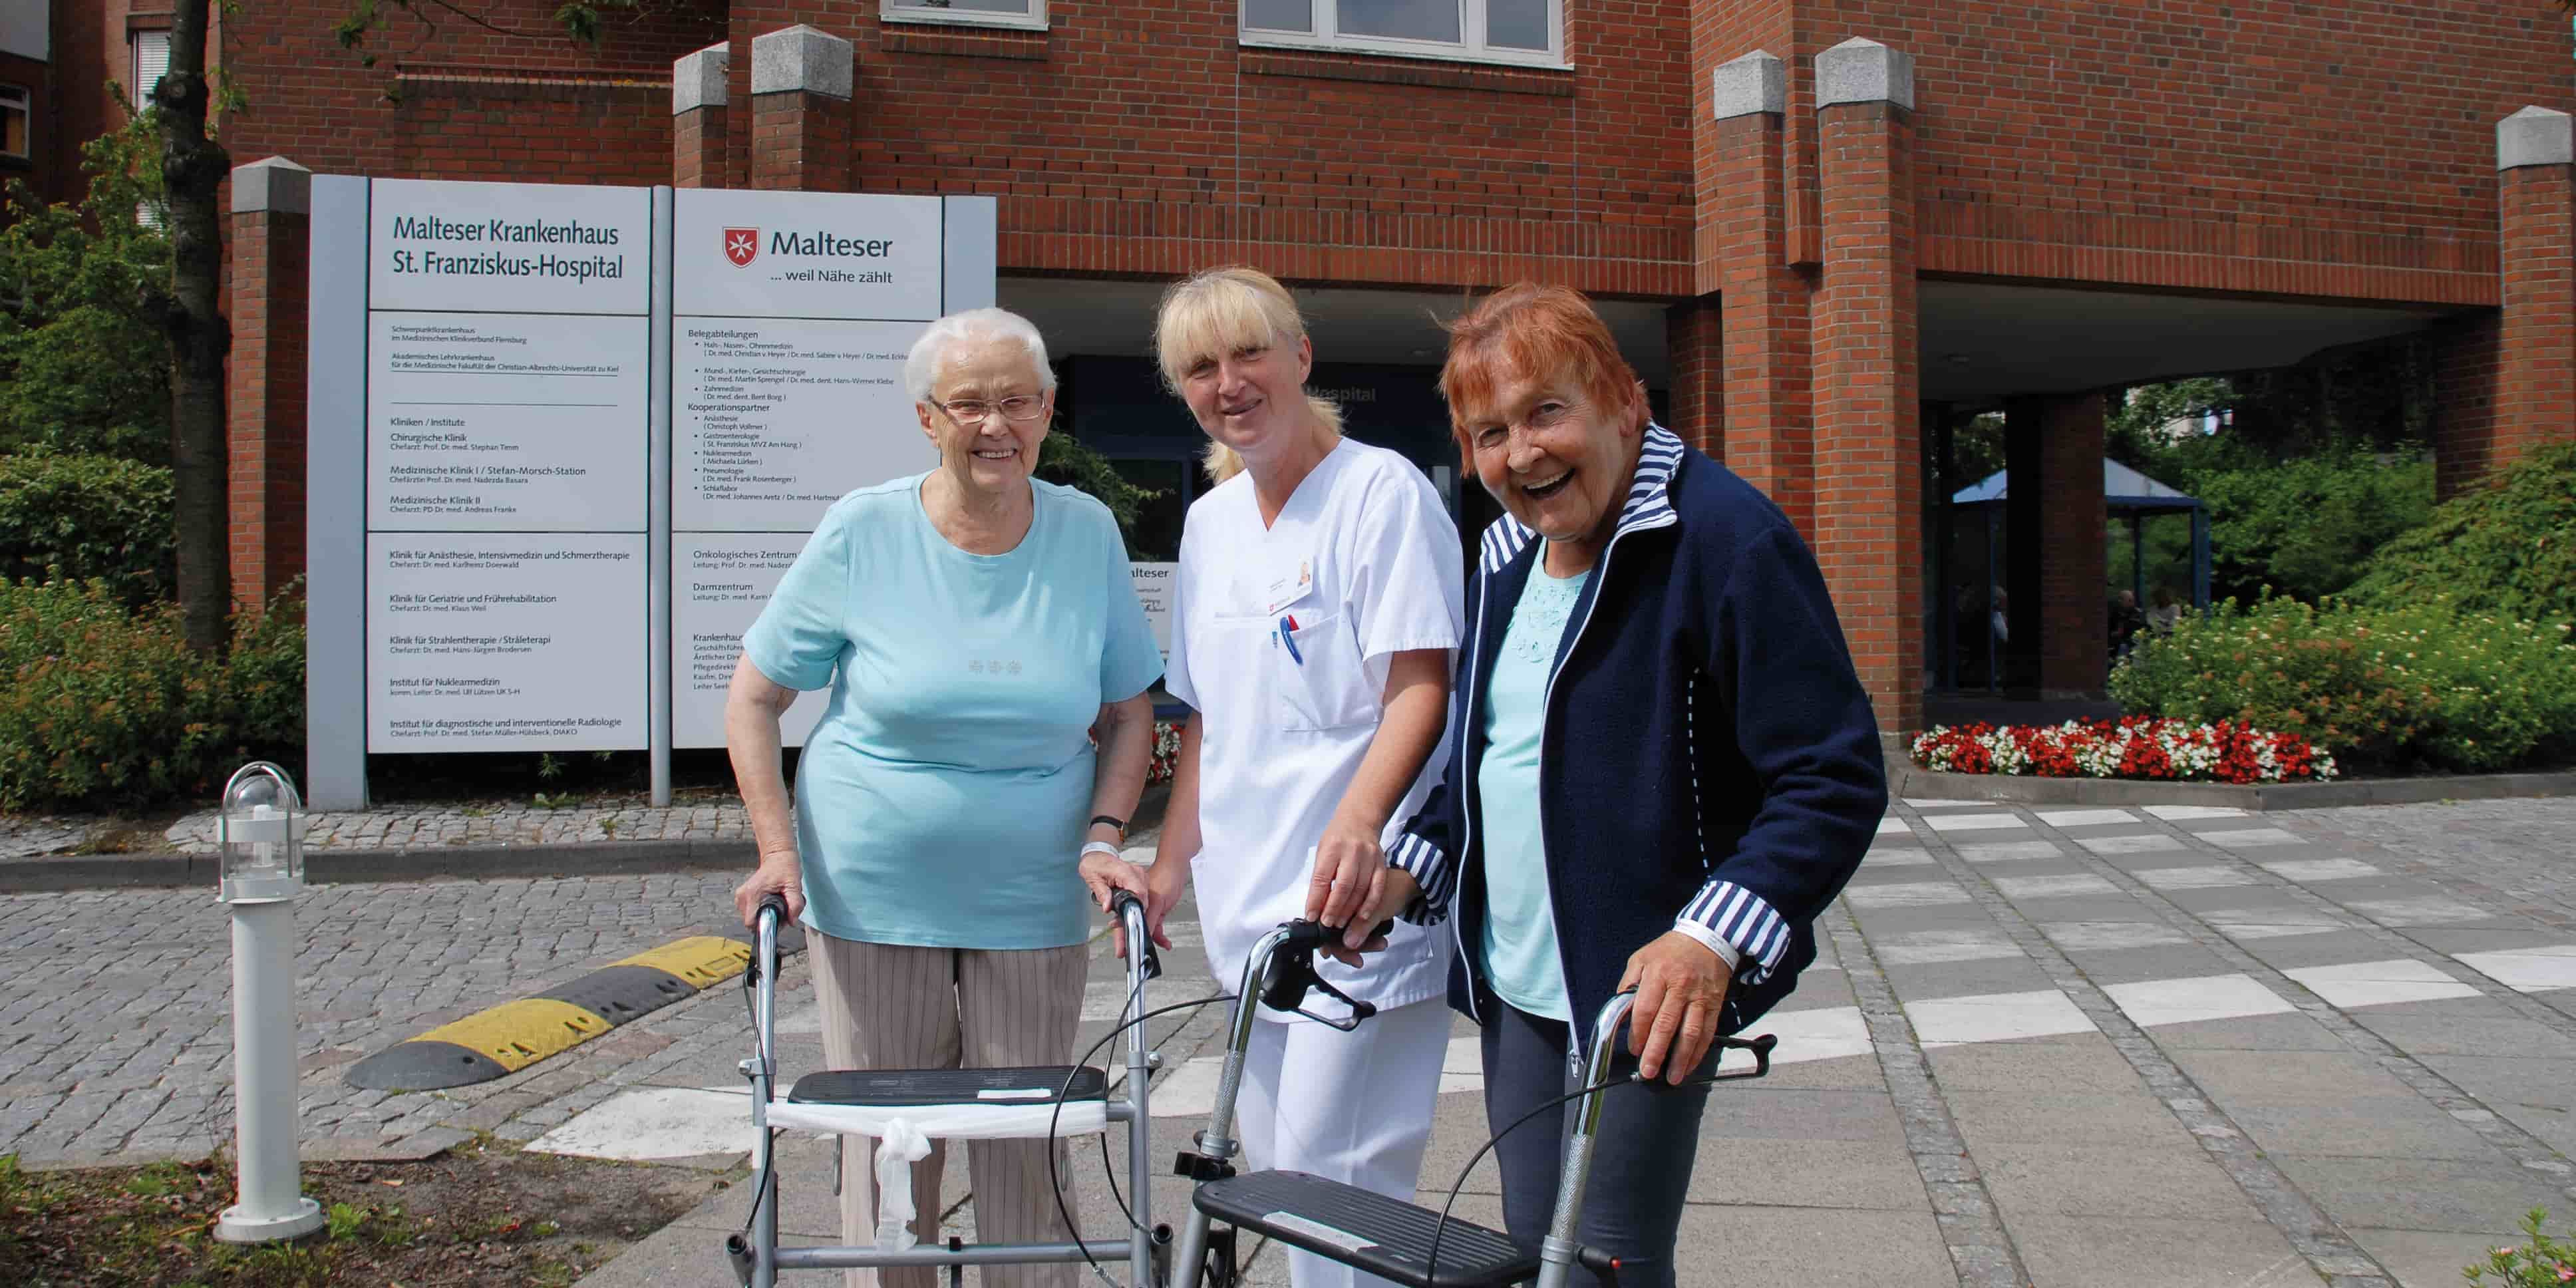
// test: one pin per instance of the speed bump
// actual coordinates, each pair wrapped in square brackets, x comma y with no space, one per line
[504,1039]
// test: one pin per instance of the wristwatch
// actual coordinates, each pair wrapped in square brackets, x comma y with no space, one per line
[1116,824]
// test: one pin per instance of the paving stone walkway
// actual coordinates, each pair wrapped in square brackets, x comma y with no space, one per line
[2171,1046]
[519,823]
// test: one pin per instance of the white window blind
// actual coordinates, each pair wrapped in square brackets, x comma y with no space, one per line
[1027,15]
[151,59]
[1529,32]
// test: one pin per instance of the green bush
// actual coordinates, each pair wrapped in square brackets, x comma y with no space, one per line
[2508,550]
[2375,686]
[104,705]
[2306,527]
[84,518]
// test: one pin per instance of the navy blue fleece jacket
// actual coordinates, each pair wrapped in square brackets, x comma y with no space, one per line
[1708,756]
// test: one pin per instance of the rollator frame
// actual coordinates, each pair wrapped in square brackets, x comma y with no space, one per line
[755,1254]
[1278,971]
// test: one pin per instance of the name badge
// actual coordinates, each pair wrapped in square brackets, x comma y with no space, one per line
[1291,587]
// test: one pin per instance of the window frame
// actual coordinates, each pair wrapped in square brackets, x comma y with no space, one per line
[915,11]
[25,107]
[1470,47]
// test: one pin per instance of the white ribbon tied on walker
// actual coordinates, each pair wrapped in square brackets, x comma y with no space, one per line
[899,1145]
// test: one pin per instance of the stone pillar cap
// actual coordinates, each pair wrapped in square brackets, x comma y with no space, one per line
[801,58]
[2535,136]
[1757,82]
[1864,71]
[275,186]
[698,80]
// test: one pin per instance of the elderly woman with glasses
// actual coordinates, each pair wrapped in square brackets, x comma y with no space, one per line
[1661,764]
[986,738]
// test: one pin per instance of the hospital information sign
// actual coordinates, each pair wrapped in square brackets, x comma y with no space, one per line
[566,439]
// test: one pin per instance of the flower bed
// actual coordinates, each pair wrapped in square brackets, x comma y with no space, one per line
[2136,747]
[1166,752]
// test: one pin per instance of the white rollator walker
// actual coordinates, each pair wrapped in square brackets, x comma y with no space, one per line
[1391,1238]
[897,1106]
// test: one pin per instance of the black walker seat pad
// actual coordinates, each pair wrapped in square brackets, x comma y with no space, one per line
[1386,1237]
[914,1088]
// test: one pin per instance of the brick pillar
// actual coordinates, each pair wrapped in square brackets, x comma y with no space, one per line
[270,271]
[2074,624]
[1744,226]
[2536,345]
[1695,342]
[800,111]
[699,126]
[2464,400]
[1868,473]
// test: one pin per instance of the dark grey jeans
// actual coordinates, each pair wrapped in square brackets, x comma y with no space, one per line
[1641,1156]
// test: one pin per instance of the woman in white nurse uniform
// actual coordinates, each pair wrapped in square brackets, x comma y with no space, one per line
[1320,596]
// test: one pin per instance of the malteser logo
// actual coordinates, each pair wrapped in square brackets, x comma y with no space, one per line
[742,245]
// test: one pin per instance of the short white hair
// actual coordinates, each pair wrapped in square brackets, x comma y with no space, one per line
[988,326]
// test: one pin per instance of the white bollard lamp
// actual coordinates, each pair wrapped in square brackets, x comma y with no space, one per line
[263,871]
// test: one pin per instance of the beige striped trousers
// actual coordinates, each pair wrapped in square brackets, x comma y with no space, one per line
[894,1006]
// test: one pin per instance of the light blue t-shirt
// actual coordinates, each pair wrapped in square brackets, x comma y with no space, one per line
[1521,960]
[942,799]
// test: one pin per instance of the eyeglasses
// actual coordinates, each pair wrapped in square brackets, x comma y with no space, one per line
[975,411]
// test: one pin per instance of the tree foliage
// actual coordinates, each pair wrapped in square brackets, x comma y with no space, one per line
[83,368]
[2508,549]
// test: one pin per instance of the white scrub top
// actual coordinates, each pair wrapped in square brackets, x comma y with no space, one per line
[1281,639]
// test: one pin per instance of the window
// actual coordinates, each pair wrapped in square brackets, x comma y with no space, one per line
[14,120]
[1500,31]
[151,59]
[1027,15]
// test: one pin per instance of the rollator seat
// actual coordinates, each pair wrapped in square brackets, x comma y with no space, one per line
[919,1088]
[1382,1236]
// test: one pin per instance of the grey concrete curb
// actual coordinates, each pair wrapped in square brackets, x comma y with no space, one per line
[1905,779]
[413,863]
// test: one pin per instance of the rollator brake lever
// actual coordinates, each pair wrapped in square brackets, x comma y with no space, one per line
[1292,972]
[1761,1049]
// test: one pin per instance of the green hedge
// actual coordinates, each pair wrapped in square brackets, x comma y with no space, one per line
[2508,550]
[86,517]
[2385,687]
[103,705]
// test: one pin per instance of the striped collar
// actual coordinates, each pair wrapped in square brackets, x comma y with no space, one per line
[1650,502]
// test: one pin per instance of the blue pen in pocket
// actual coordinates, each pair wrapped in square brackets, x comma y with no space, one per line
[1287,636]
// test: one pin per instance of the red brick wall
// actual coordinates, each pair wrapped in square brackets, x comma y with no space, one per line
[473,104]
[1136,136]
[2464,397]
[2094,139]
[2074,622]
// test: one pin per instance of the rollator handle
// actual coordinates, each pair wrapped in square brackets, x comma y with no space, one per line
[1292,973]
[1121,902]
[773,902]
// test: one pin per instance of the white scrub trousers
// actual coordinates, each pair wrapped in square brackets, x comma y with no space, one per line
[1352,1107]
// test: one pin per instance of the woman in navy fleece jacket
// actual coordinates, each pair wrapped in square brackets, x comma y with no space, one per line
[1661,764]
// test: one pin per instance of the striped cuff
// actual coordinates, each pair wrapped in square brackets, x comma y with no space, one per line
[1431,870]
[1740,917]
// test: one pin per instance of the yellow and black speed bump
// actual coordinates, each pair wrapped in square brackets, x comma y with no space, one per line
[507,1038]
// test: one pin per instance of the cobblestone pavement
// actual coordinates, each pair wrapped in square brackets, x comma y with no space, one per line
[28,836]
[497,824]
[2204,1047]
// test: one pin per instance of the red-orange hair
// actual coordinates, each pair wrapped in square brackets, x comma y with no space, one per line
[1530,328]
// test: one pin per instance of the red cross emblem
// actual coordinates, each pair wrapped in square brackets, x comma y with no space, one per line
[742,245]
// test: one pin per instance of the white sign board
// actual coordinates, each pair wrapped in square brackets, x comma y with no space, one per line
[506,422]
[509,247]
[720,584]
[775,420]
[1155,583]
[746,253]
[496,641]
